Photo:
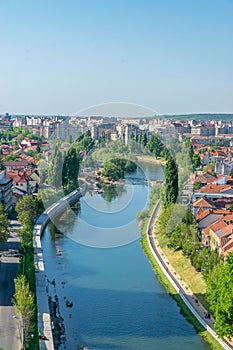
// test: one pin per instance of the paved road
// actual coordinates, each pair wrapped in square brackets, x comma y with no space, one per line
[9,326]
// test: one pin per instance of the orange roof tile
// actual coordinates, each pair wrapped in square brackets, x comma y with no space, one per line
[210,188]
[203,202]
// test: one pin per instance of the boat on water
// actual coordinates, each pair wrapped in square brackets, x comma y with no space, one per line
[69,303]
[59,252]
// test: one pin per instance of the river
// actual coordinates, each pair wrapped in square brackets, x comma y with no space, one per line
[118,303]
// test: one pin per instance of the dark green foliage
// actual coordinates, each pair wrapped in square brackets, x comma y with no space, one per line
[220,288]
[155,146]
[196,161]
[8,135]
[196,186]
[116,168]
[70,170]
[171,182]
[28,207]
[84,142]
[55,168]
[143,139]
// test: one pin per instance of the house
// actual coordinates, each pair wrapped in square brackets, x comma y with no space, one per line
[204,203]
[221,235]
[223,166]
[218,234]
[17,193]
[212,192]
[14,165]
[23,181]
[5,190]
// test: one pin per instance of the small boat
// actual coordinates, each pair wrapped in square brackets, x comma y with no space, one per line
[69,303]
[59,252]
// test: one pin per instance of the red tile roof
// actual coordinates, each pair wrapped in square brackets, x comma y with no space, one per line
[210,188]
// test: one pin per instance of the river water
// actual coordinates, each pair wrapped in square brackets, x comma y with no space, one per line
[118,303]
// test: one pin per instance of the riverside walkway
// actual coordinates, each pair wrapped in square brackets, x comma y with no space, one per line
[180,286]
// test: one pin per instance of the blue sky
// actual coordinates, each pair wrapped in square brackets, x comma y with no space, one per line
[62,56]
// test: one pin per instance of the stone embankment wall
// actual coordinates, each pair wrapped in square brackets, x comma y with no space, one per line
[43,314]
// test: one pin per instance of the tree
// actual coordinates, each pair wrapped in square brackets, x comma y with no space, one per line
[155,146]
[196,161]
[24,302]
[70,170]
[55,169]
[26,208]
[4,225]
[171,181]
[143,139]
[220,288]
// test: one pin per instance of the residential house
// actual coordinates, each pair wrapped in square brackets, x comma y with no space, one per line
[5,190]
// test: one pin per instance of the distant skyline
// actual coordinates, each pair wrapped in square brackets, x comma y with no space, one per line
[63,56]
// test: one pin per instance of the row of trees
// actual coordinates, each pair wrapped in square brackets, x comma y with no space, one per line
[9,134]
[28,207]
[64,168]
[183,235]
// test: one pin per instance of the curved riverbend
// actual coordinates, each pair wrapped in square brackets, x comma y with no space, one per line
[118,303]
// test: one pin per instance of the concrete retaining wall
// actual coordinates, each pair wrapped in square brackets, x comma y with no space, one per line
[43,314]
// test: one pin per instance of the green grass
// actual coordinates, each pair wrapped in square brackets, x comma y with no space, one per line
[184,310]
[187,272]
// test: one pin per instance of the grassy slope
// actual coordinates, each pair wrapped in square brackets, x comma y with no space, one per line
[183,267]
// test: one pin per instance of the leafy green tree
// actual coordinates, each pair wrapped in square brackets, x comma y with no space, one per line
[196,161]
[143,139]
[155,146]
[163,219]
[197,186]
[220,288]
[4,225]
[26,208]
[24,302]
[210,169]
[171,182]
[70,170]
[55,169]
[113,170]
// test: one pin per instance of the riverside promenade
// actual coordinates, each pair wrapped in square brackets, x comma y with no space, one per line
[180,286]
[45,326]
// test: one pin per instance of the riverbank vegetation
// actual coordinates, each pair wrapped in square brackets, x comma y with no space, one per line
[182,265]
[184,310]
[199,267]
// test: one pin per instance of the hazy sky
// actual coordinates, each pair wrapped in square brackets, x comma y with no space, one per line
[62,56]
